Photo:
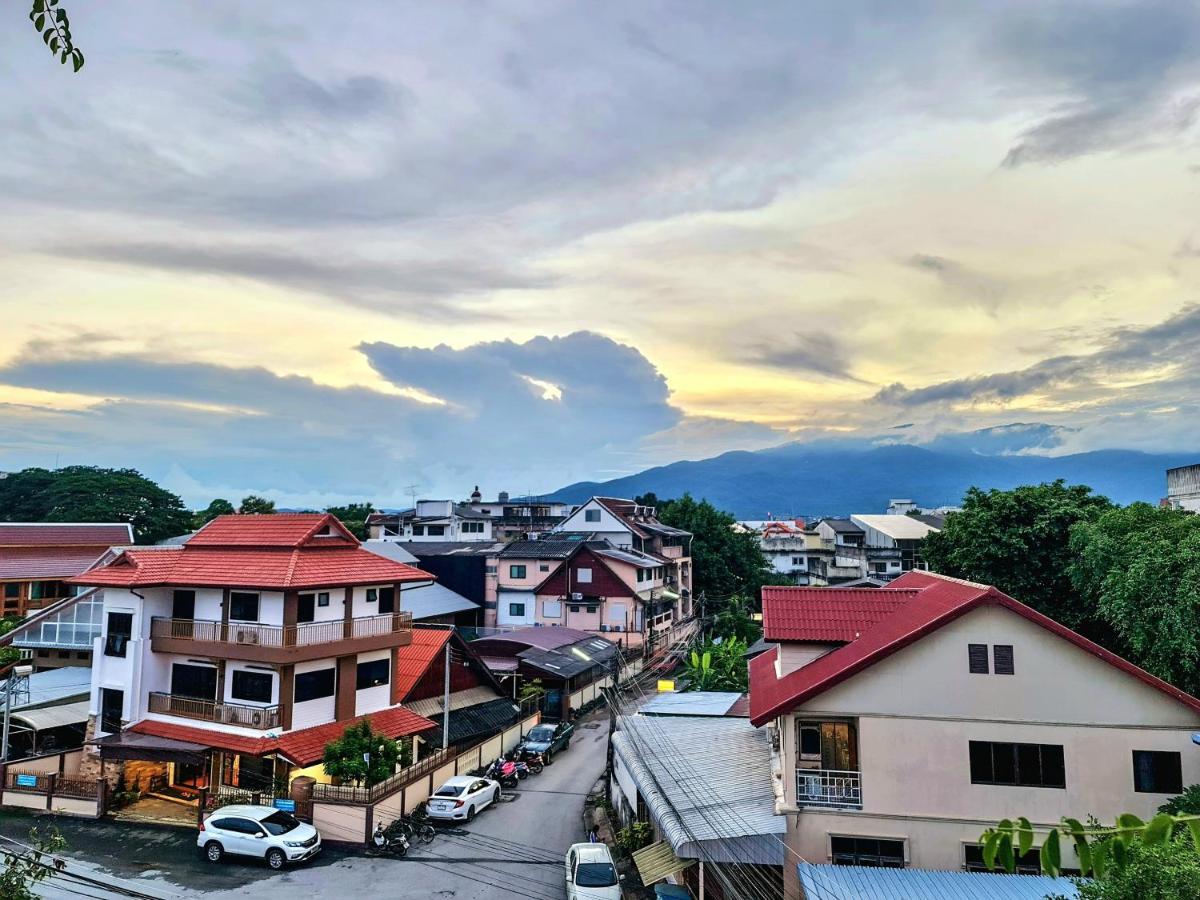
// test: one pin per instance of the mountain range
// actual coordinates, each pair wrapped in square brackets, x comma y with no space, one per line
[861,476]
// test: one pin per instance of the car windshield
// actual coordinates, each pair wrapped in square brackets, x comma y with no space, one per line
[280,822]
[450,790]
[542,733]
[595,875]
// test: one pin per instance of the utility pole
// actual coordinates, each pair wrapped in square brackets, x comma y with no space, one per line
[446,697]
[18,674]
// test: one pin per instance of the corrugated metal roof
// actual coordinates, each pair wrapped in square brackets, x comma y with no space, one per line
[866,883]
[707,784]
[45,717]
[696,703]
[658,861]
[895,527]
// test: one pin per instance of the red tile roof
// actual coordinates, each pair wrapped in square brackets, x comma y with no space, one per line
[47,562]
[414,660]
[826,615]
[304,747]
[290,556]
[64,534]
[937,602]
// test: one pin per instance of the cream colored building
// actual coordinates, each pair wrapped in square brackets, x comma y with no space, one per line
[907,719]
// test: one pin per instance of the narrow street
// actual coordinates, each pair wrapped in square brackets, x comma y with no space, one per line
[515,849]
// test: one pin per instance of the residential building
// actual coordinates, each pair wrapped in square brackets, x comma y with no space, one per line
[246,649]
[908,718]
[431,520]
[840,556]
[520,518]
[880,547]
[466,567]
[431,603]
[935,516]
[789,546]
[36,558]
[1183,488]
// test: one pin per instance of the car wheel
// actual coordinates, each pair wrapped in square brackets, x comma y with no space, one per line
[275,858]
[471,814]
[496,795]
[213,851]
[549,757]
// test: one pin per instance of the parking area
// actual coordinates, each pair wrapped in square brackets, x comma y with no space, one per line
[513,850]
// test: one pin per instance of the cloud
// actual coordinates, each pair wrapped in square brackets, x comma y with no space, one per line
[814,352]
[963,283]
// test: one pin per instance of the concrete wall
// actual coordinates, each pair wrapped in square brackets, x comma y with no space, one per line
[793,656]
[347,824]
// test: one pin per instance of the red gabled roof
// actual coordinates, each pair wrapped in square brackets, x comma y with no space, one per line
[272,530]
[827,615]
[65,534]
[304,747]
[47,562]
[938,601]
[413,660]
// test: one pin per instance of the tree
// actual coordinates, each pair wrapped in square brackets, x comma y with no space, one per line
[55,28]
[1139,567]
[354,517]
[8,655]
[1168,871]
[22,870]
[218,507]
[1019,541]
[1185,804]
[255,505]
[92,494]
[347,757]
[718,666]
[734,620]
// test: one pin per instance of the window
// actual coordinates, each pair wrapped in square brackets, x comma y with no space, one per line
[387,600]
[418,530]
[111,704]
[977,659]
[552,609]
[516,571]
[372,674]
[641,574]
[1027,765]
[314,685]
[471,528]
[372,595]
[243,607]
[1002,659]
[12,590]
[1029,863]
[196,682]
[543,567]
[1157,772]
[252,686]
[516,609]
[864,851]
[574,609]
[591,515]
[436,530]
[323,598]
[583,576]
[119,631]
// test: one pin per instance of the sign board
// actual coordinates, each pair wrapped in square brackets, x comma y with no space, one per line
[665,686]
[285,805]
[27,781]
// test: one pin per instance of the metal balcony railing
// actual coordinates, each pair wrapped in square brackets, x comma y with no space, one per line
[828,787]
[262,717]
[305,635]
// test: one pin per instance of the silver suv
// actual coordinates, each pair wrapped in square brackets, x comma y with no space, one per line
[261,831]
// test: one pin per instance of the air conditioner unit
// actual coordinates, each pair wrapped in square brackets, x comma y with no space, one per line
[576,596]
[247,637]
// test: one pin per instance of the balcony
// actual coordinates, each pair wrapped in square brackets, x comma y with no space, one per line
[836,788]
[261,717]
[255,642]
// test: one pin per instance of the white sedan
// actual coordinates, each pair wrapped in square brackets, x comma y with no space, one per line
[462,797]
[591,874]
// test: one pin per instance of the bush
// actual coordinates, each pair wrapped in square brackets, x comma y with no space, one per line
[635,836]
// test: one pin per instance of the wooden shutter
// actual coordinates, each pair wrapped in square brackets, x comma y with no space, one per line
[1002,659]
[977,659]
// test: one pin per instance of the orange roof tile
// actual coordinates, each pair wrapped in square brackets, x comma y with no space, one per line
[413,660]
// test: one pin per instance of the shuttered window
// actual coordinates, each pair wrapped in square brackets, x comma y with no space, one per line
[977,659]
[1002,659]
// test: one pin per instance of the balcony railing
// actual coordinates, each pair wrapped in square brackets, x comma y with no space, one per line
[828,787]
[255,634]
[263,717]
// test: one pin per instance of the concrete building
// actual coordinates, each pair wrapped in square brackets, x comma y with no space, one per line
[880,547]
[521,518]
[36,558]
[436,521]
[908,718]
[1183,488]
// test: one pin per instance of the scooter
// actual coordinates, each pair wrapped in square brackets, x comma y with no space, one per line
[386,842]
[524,770]
[533,759]
[503,771]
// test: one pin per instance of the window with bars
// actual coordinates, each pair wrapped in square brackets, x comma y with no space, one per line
[866,851]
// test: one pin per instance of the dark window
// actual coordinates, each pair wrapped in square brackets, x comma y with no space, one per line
[12,590]
[253,686]
[1028,863]
[314,685]
[861,851]
[372,674]
[1002,659]
[323,598]
[436,530]
[387,600]
[591,515]
[977,661]
[243,607]
[575,609]
[306,608]
[372,595]
[120,629]
[516,571]
[419,530]
[1157,772]
[810,742]
[111,703]
[183,605]
[197,682]
[516,609]
[241,826]
[1027,765]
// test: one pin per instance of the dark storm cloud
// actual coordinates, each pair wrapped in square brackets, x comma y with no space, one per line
[803,352]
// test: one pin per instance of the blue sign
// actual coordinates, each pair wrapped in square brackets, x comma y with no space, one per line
[27,781]
[285,805]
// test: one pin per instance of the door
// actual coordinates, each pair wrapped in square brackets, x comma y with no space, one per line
[244,837]
[111,703]
[194,682]
[387,600]
[183,611]
[190,775]
[306,610]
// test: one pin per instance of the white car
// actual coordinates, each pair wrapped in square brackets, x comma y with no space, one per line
[260,831]
[462,797]
[591,874]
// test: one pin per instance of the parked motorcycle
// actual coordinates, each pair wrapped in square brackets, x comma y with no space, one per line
[503,771]
[387,842]
[524,770]
[533,759]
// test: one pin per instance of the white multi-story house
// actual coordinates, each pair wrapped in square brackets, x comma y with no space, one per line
[255,643]
[520,518]
[434,521]
[908,718]
[881,547]
[1183,488]
[789,546]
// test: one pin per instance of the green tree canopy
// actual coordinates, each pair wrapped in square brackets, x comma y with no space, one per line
[92,494]
[219,507]
[256,505]
[1166,871]
[1139,567]
[718,666]
[347,757]
[1019,541]
[354,517]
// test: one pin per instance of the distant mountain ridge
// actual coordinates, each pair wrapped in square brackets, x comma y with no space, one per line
[830,478]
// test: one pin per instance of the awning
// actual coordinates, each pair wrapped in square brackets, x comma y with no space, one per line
[829,882]
[658,861]
[130,745]
[45,717]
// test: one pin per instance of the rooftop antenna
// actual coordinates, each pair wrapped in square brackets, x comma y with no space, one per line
[411,490]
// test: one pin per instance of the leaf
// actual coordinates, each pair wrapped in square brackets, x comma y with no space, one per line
[46,35]
[39,6]
[1100,853]
[1194,828]
[1159,830]
[1024,836]
[77,59]
[991,843]
[1127,825]
[1050,854]
[1120,856]
[54,45]
[39,21]
[1006,853]
[1082,849]
[61,15]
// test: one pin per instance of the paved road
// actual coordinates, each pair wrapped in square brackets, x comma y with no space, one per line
[511,851]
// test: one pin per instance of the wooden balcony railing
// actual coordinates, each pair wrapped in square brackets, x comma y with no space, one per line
[829,787]
[255,634]
[263,717]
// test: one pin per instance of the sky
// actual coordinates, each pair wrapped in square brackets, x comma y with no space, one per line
[328,252]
